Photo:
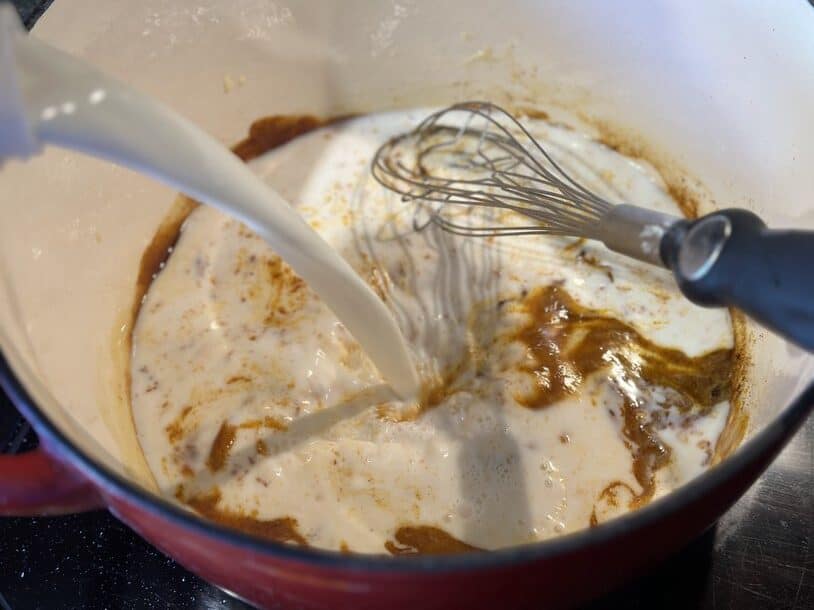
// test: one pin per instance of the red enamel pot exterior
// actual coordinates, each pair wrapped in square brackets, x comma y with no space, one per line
[547,582]
[35,483]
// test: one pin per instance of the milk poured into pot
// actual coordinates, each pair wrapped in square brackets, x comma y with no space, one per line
[564,384]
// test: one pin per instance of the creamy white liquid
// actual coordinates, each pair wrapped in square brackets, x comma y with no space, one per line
[227,334]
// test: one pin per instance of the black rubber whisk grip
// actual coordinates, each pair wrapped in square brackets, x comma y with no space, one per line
[730,258]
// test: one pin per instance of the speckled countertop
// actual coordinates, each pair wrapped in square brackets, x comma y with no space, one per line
[759,556]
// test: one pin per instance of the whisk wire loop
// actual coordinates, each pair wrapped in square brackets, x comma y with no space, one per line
[486,159]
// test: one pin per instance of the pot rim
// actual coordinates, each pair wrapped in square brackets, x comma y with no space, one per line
[771,439]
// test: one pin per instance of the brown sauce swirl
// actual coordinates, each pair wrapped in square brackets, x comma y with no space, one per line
[271,132]
[426,540]
[225,439]
[264,135]
[568,343]
[282,529]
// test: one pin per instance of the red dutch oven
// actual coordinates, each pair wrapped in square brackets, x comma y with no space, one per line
[733,114]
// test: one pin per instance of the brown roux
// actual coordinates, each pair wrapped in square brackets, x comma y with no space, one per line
[737,420]
[426,540]
[687,194]
[593,261]
[568,343]
[659,368]
[283,529]
[289,297]
[264,135]
[271,132]
[225,439]
[438,390]
[175,429]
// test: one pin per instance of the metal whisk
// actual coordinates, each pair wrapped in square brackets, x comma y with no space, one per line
[495,163]
[477,155]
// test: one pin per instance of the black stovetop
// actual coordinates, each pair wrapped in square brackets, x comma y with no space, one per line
[759,555]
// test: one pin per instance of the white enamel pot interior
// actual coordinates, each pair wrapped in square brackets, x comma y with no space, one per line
[720,92]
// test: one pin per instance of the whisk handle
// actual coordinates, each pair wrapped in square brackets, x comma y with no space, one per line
[730,258]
